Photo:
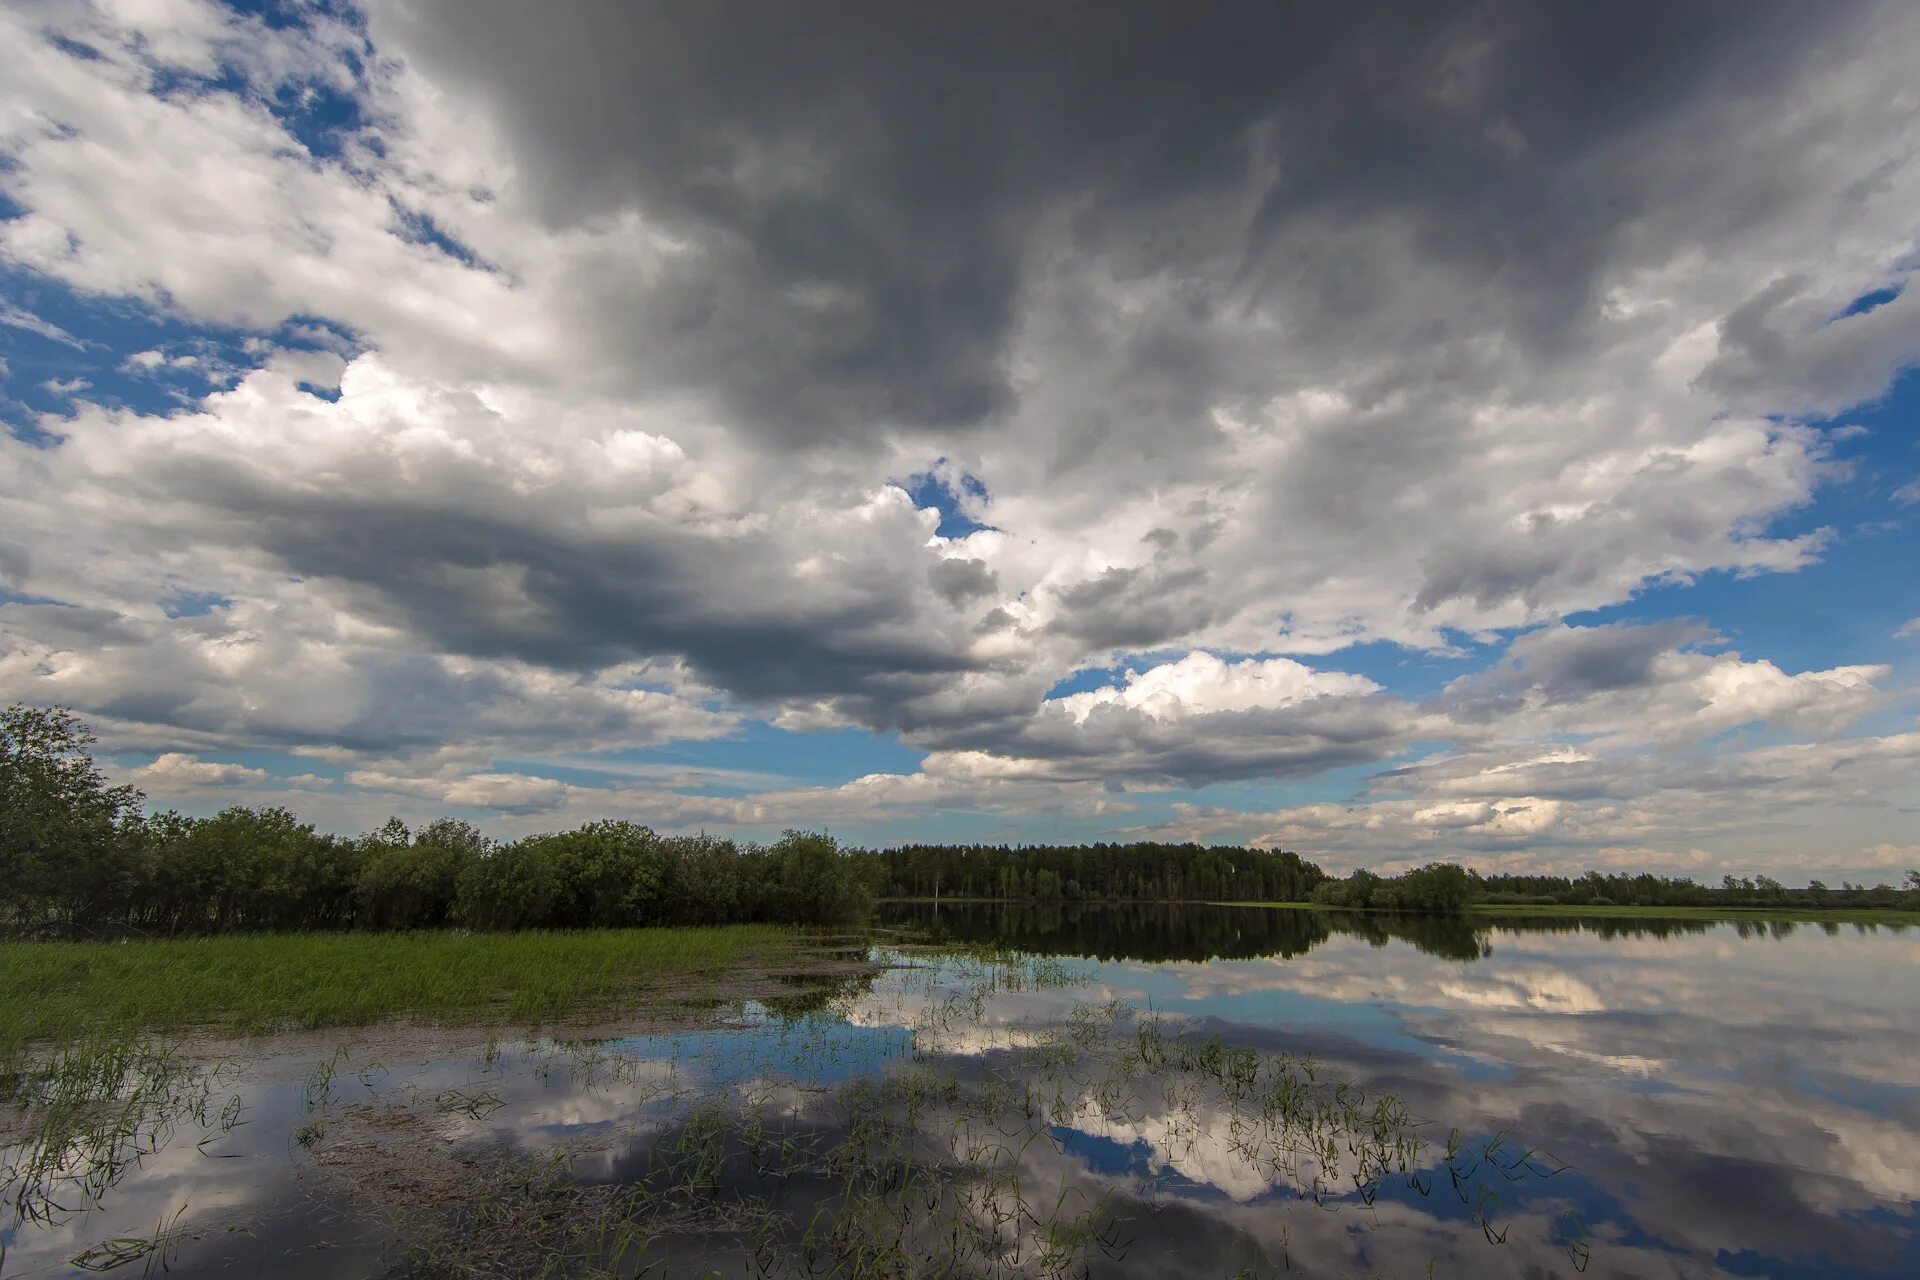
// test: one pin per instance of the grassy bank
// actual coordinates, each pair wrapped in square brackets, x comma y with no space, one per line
[255,983]
[1495,911]
[1810,915]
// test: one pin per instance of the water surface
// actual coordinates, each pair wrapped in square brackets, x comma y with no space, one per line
[1615,1098]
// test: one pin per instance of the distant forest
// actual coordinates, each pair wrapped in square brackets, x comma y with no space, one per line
[1148,872]
[79,856]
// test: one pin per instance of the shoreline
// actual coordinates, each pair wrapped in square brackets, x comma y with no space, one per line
[1489,910]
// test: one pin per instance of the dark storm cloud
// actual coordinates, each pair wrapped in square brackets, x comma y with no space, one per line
[1270,330]
[479,582]
[1135,609]
[858,186]
[1566,664]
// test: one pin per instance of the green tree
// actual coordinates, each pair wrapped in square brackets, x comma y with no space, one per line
[62,852]
[817,883]
[511,887]
[408,881]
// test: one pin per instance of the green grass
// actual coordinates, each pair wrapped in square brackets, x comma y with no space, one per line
[1811,915]
[254,983]
[1814,915]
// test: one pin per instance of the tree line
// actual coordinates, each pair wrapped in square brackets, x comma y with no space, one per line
[1139,872]
[1645,890]
[80,855]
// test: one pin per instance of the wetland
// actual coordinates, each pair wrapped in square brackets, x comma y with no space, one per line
[1023,1090]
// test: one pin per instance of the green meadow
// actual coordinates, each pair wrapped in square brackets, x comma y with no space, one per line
[262,983]
[1583,911]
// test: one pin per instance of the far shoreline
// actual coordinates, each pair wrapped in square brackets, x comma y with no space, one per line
[1489,910]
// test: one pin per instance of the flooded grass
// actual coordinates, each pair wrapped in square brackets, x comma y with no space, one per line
[260,983]
[935,1166]
[1808,915]
[778,1148]
[1533,911]
[951,1109]
[74,1122]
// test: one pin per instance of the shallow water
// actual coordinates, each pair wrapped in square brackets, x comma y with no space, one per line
[1630,1098]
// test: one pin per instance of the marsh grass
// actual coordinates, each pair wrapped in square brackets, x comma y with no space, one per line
[934,1167]
[1491,911]
[261,983]
[1893,916]
[939,1163]
[73,1123]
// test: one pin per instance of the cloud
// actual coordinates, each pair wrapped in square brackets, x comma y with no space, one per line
[1625,684]
[15,318]
[1908,629]
[180,770]
[590,355]
[1785,808]
[1199,719]
[294,675]
[502,792]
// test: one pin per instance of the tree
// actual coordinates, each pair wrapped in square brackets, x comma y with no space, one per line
[408,881]
[61,825]
[816,881]
[1913,881]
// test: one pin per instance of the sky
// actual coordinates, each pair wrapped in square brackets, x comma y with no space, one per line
[1482,432]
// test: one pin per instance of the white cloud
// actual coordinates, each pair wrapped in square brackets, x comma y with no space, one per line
[14,318]
[1202,684]
[653,408]
[180,770]
[1789,809]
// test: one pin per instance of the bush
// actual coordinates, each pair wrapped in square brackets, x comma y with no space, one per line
[817,882]
[510,887]
[254,869]
[63,852]
[410,882]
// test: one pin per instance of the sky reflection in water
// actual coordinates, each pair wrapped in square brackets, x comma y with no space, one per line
[1725,1102]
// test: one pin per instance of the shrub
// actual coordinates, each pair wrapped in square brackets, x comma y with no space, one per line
[410,882]
[817,884]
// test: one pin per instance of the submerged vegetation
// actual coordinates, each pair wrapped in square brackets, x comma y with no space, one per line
[80,857]
[945,1160]
[938,1166]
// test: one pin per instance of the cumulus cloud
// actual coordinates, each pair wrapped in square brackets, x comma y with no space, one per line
[1199,719]
[588,357]
[1624,684]
[1781,808]
[180,769]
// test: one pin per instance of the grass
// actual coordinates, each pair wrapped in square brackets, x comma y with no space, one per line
[1814,915]
[924,1169]
[1542,911]
[918,1170]
[259,983]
